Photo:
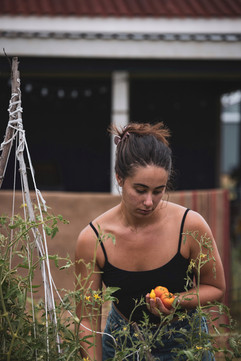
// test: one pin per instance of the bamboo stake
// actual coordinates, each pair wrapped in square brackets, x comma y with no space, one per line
[16,121]
[7,143]
[49,299]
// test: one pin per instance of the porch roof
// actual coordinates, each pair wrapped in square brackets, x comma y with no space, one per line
[123,8]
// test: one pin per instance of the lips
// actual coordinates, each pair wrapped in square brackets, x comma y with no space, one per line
[145,211]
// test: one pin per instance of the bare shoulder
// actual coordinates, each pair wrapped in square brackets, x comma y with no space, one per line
[87,240]
[194,221]
[107,217]
[86,243]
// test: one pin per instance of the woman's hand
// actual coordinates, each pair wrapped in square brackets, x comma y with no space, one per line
[157,306]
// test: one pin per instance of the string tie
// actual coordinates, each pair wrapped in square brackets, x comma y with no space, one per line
[118,139]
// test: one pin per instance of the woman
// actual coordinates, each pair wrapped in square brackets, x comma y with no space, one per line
[148,249]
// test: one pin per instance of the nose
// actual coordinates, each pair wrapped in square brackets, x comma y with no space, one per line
[148,202]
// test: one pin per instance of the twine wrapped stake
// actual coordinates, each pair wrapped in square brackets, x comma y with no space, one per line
[16,132]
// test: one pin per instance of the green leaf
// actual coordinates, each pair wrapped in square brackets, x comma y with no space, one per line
[67,265]
[55,258]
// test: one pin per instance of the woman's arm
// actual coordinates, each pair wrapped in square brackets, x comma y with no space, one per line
[210,276]
[208,267]
[88,278]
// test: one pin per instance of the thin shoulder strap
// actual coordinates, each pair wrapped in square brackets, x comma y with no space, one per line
[99,239]
[181,229]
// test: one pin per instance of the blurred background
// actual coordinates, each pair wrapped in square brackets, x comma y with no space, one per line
[86,64]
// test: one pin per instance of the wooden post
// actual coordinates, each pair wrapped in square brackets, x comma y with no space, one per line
[7,143]
[15,120]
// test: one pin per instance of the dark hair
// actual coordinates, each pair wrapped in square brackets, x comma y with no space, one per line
[141,145]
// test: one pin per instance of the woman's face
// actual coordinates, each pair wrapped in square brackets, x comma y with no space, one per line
[143,191]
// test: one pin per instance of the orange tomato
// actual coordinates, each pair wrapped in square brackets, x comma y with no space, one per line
[167,298]
[153,295]
[159,290]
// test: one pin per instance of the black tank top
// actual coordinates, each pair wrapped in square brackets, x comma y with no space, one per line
[136,284]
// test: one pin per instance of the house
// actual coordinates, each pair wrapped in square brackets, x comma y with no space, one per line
[85,64]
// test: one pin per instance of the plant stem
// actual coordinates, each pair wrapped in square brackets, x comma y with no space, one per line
[15,334]
[5,313]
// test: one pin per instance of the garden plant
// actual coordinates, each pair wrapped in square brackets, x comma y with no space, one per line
[28,333]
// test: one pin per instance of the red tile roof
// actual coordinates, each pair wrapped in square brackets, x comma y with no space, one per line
[120,8]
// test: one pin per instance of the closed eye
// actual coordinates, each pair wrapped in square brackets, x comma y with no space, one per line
[158,192]
[140,191]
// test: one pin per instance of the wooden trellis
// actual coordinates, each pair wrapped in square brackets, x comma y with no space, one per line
[15,132]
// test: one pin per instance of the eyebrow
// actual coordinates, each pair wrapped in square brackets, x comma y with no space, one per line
[145,186]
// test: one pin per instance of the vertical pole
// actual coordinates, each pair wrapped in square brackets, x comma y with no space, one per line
[120,113]
[8,139]
[45,267]
[15,111]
